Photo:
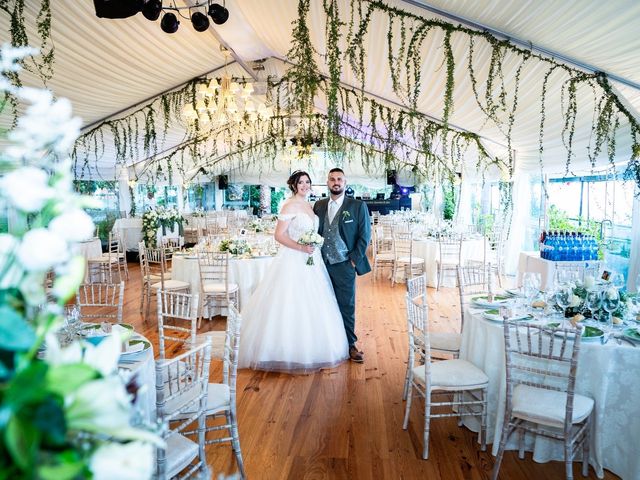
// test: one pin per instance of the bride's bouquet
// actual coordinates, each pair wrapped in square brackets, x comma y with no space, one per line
[312,238]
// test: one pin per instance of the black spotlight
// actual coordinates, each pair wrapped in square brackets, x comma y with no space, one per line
[151,10]
[169,23]
[218,13]
[200,21]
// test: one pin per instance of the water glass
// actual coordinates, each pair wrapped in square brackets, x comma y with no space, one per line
[564,295]
[610,302]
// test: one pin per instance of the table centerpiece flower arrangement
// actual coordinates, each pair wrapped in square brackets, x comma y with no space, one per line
[198,213]
[64,412]
[256,225]
[578,306]
[168,217]
[235,247]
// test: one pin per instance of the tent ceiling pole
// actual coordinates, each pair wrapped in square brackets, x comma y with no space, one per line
[522,43]
[399,105]
[148,99]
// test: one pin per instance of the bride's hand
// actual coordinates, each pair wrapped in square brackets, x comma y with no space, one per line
[307,249]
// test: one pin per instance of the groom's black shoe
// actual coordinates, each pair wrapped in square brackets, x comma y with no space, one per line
[355,355]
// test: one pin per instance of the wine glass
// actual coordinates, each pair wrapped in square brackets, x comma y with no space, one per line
[564,295]
[610,302]
[592,301]
[617,280]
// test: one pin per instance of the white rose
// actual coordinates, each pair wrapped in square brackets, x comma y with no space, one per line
[41,249]
[612,293]
[575,301]
[589,282]
[27,188]
[130,461]
[73,226]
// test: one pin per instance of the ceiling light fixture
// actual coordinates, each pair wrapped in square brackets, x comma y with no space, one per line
[151,10]
[223,100]
[169,23]
[199,21]
[218,13]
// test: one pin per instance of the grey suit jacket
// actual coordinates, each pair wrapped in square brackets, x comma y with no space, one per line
[355,229]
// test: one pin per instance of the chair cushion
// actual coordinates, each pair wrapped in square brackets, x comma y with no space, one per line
[213,287]
[218,398]
[453,375]
[449,342]
[179,453]
[172,285]
[414,260]
[217,342]
[547,407]
[385,256]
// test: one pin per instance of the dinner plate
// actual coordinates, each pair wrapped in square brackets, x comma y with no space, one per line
[514,292]
[146,346]
[632,334]
[588,334]
[482,302]
[494,316]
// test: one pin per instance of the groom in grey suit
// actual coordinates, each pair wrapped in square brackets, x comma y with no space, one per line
[346,228]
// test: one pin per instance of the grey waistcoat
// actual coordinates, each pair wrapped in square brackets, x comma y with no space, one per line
[334,250]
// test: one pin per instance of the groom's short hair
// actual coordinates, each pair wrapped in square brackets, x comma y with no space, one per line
[336,169]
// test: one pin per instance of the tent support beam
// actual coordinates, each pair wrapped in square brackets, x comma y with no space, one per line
[524,44]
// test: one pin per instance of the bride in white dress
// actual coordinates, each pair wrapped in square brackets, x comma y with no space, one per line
[292,322]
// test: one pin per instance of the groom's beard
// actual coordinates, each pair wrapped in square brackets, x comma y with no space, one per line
[337,190]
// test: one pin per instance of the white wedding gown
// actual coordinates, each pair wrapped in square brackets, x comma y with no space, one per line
[292,322]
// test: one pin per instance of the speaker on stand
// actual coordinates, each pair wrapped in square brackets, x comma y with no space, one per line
[223,182]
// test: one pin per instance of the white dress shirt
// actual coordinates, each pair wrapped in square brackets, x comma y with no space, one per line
[334,206]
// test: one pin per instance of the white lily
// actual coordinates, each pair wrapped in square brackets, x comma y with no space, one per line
[129,461]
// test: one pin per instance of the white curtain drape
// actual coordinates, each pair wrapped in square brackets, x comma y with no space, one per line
[520,220]
[634,258]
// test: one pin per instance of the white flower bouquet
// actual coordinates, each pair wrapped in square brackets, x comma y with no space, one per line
[66,412]
[313,239]
[256,225]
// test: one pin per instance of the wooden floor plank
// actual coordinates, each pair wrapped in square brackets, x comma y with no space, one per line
[346,423]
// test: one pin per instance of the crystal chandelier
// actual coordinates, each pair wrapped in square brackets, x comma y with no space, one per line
[225,100]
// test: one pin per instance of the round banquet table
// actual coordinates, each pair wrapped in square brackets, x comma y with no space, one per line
[246,272]
[91,248]
[607,373]
[142,366]
[429,250]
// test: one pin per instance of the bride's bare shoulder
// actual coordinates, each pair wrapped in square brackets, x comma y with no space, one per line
[291,207]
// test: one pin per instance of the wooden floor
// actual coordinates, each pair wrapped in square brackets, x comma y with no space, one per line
[346,423]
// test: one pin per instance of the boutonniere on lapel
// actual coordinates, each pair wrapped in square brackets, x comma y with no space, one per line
[346,216]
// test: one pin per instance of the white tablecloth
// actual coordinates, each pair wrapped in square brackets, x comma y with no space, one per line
[130,229]
[472,249]
[607,373]
[89,248]
[247,273]
[142,365]
[531,262]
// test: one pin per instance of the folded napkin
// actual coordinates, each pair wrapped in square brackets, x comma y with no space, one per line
[135,347]
[123,333]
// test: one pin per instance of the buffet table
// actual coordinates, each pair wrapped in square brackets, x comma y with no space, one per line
[607,373]
[130,231]
[531,262]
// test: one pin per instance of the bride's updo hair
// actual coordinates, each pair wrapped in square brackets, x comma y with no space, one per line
[294,178]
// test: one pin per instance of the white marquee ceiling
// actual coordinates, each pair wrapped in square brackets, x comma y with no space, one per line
[106,67]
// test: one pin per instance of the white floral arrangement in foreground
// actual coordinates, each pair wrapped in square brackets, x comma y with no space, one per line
[64,416]
[313,239]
